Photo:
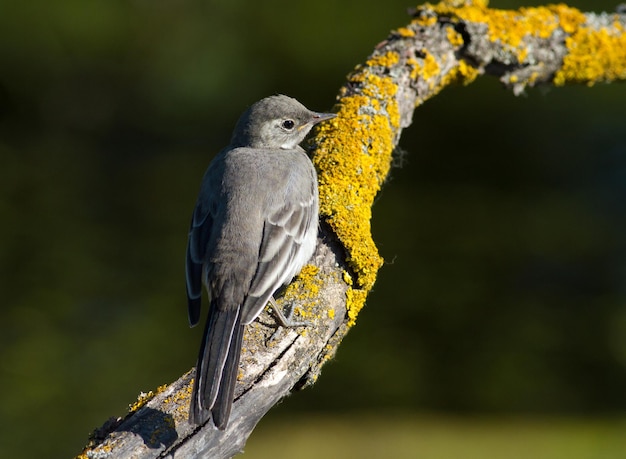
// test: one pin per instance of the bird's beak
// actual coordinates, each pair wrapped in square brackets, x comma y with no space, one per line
[319,117]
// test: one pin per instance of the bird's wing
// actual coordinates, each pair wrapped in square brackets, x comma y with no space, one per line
[287,230]
[199,235]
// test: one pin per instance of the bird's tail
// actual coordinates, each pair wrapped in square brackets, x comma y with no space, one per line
[217,368]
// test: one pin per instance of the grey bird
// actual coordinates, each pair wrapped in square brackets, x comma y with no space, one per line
[253,229]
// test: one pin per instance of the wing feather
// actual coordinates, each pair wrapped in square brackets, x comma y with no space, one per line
[282,251]
[199,234]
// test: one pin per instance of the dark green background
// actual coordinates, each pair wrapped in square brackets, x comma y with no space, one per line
[504,289]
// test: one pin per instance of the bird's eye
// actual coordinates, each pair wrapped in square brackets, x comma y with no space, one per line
[288,124]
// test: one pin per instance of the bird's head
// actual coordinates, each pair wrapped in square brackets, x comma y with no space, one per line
[277,122]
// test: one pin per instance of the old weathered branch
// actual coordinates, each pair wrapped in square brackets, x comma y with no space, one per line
[453,41]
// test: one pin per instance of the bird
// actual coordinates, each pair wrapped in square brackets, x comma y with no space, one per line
[253,228]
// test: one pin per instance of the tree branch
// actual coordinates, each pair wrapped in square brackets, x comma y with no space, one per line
[446,43]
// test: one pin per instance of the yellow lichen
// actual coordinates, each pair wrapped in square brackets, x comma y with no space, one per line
[466,73]
[145,397]
[304,289]
[463,73]
[383,60]
[430,68]
[306,284]
[425,20]
[415,67]
[569,18]
[593,56]
[455,38]
[353,157]
[405,32]
[355,300]
[510,27]
[178,402]
[533,77]
[95,451]
[353,151]
[506,26]
[522,54]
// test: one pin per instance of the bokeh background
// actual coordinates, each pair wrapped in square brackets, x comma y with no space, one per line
[498,323]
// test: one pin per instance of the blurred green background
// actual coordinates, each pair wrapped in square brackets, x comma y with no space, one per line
[504,292]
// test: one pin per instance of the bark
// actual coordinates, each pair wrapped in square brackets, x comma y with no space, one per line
[446,43]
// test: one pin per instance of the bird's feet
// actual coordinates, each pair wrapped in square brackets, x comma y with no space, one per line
[284,320]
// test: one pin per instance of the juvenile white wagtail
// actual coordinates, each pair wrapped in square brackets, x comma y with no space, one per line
[252,230]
